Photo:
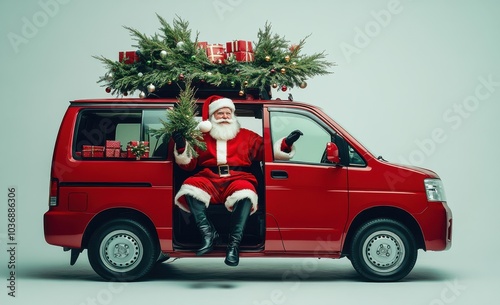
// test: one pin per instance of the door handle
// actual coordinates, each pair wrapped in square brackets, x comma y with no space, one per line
[279,174]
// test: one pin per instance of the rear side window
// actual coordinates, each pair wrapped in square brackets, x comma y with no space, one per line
[111,134]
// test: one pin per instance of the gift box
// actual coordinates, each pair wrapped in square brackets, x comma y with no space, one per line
[239,45]
[128,57]
[243,56]
[92,151]
[131,144]
[113,149]
[202,44]
[216,53]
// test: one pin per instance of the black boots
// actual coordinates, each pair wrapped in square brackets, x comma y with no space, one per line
[239,217]
[208,234]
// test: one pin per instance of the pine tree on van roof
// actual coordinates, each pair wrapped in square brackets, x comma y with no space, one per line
[165,59]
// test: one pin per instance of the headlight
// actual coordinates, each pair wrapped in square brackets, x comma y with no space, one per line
[434,190]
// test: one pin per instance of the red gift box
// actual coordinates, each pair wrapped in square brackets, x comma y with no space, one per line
[129,56]
[113,149]
[202,44]
[92,151]
[216,53]
[135,143]
[131,144]
[243,56]
[239,45]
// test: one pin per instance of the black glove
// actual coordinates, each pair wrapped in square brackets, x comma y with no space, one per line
[179,140]
[292,137]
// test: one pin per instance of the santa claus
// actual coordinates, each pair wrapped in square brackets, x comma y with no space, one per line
[225,176]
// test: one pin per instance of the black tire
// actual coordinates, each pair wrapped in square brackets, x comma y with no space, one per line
[383,250]
[135,250]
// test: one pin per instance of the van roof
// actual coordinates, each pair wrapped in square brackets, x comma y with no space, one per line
[158,101]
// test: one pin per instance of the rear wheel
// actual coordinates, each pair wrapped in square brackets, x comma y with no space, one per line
[383,250]
[122,250]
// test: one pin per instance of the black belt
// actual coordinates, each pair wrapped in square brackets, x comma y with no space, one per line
[223,170]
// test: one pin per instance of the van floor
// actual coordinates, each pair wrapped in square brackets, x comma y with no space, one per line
[187,235]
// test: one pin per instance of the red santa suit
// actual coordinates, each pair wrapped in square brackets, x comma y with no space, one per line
[208,185]
[225,176]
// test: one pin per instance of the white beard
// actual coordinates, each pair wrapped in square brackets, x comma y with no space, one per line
[224,131]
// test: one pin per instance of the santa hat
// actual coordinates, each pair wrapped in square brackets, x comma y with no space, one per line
[211,105]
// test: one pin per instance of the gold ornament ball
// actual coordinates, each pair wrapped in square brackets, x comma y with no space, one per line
[151,88]
[275,85]
[268,58]
[163,54]
[142,94]
[241,93]
[283,70]
[303,84]
[287,58]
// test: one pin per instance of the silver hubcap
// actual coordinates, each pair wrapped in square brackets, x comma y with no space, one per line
[383,251]
[121,251]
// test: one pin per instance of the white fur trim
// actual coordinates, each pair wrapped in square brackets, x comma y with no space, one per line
[242,194]
[184,158]
[281,155]
[196,192]
[218,104]
[221,152]
[205,126]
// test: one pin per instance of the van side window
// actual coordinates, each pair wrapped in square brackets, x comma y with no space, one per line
[311,146]
[105,134]
[152,120]
[354,158]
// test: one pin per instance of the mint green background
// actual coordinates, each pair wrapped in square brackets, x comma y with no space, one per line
[400,88]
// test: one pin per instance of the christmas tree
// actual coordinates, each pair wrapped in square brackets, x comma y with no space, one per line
[182,119]
[166,59]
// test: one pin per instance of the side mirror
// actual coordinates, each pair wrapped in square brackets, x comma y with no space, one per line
[332,152]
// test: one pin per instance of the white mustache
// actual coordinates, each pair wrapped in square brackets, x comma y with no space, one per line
[222,121]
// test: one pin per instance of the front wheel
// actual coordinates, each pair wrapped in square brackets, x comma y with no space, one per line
[383,250]
[122,250]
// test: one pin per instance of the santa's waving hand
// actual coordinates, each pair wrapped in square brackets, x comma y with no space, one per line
[225,176]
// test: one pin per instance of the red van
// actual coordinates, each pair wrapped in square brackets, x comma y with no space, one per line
[333,199]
